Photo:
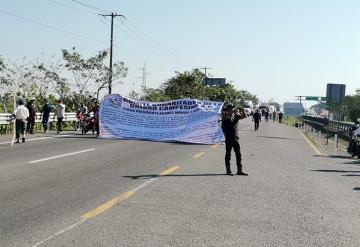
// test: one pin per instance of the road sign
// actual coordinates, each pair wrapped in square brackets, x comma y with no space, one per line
[215,81]
[317,98]
[335,93]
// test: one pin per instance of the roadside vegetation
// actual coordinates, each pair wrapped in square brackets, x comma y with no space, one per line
[76,79]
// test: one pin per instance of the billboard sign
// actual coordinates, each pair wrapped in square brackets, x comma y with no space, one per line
[335,93]
[215,81]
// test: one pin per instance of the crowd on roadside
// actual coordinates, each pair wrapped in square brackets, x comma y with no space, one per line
[25,116]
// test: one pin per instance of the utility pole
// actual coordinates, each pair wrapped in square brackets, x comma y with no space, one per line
[205,68]
[111,46]
[144,77]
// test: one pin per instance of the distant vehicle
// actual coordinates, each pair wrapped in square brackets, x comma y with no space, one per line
[248,107]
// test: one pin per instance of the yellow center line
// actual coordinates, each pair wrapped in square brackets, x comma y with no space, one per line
[169,170]
[107,205]
[316,150]
[118,199]
[196,156]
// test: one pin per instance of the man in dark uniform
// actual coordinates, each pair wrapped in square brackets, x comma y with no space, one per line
[256,118]
[229,125]
[280,117]
[32,116]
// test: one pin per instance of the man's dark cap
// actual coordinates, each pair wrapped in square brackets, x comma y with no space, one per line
[21,101]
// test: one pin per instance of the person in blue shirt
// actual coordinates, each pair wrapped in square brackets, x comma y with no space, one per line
[45,115]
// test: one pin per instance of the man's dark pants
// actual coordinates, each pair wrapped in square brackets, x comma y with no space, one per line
[20,128]
[30,125]
[59,124]
[232,144]
[45,122]
[257,123]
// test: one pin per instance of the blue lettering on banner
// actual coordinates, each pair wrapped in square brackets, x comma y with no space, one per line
[183,120]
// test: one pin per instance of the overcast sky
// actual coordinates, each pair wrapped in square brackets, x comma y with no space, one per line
[273,48]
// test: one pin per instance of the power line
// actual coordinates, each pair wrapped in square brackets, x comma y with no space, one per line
[52,27]
[90,6]
[151,39]
[72,7]
[151,43]
[155,51]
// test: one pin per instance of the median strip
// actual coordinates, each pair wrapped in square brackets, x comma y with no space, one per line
[61,156]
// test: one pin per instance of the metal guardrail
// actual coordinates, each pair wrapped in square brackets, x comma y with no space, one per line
[6,118]
[339,126]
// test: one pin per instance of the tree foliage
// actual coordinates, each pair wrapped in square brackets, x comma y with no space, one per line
[91,72]
[189,84]
[352,106]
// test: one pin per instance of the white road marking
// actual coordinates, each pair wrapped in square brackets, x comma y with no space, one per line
[61,156]
[38,139]
[145,184]
[58,233]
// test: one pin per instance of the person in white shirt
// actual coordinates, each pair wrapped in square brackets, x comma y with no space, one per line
[21,113]
[60,114]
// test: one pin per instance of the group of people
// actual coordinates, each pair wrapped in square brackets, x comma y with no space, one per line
[25,116]
[256,118]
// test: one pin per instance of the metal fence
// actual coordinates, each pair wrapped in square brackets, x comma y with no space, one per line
[338,126]
[6,118]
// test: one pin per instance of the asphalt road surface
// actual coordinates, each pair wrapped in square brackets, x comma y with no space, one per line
[82,191]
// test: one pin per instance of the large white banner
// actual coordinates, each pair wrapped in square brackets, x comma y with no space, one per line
[183,120]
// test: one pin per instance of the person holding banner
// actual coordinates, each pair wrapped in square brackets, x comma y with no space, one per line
[229,124]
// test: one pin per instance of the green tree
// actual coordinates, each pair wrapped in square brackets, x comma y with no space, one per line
[91,75]
[155,95]
[185,85]
[352,106]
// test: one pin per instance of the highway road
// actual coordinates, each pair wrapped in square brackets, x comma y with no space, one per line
[75,190]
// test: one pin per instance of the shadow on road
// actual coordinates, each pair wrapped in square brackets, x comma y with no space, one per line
[146,176]
[340,157]
[346,157]
[339,171]
[357,188]
[276,137]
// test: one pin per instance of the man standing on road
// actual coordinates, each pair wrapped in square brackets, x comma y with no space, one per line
[229,125]
[60,114]
[32,116]
[21,114]
[256,119]
[45,115]
[266,115]
[280,117]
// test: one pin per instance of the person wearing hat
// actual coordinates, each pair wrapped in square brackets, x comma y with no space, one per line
[21,113]
[229,124]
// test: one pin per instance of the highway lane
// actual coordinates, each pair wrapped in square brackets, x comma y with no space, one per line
[36,199]
[292,197]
